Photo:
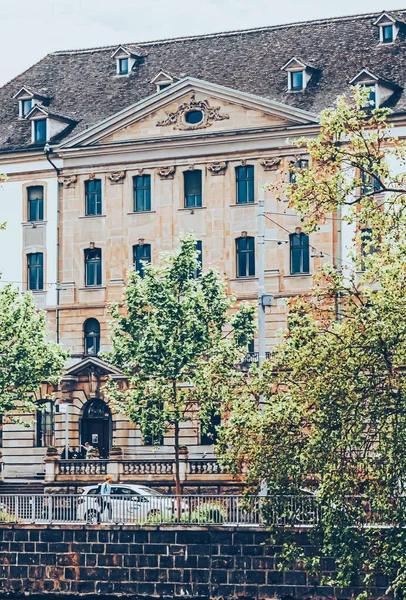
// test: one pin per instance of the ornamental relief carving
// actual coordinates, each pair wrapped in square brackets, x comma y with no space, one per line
[217,168]
[166,172]
[270,164]
[68,180]
[116,176]
[181,118]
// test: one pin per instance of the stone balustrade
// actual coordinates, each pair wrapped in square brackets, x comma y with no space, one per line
[134,470]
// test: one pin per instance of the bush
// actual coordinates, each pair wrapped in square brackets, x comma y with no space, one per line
[210,512]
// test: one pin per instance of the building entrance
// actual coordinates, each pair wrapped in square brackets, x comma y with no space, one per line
[96,426]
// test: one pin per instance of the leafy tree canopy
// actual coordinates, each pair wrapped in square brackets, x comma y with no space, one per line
[178,340]
[27,357]
[335,389]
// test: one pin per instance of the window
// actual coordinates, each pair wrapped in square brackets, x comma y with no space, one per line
[245,184]
[35,264]
[199,248]
[245,257]
[93,194]
[367,247]
[123,66]
[209,436]
[370,184]
[163,86]
[142,193]
[194,117]
[35,196]
[302,163]
[45,425]
[40,131]
[193,188]
[148,439]
[93,267]
[141,253]
[299,253]
[387,34]
[371,100]
[26,106]
[296,80]
[91,331]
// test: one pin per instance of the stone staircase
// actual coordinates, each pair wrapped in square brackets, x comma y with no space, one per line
[20,486]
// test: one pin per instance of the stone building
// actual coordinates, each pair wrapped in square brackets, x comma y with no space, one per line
[111,153]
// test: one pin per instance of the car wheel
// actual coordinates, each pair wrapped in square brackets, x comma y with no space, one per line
[92,517]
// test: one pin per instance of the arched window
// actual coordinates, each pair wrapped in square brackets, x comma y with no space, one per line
[91,330]
[245,248]
[299,253]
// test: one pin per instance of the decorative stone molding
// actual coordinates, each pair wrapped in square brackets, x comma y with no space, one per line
[116,176]
[270,164]
[68,180]
[166,172]
[92,176]
[210,114]
[217,168]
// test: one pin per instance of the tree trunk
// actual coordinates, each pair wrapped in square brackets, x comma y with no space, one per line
[178,487]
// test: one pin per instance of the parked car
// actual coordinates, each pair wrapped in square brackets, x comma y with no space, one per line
[128,504]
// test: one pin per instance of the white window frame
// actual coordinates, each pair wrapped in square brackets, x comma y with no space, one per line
[44,118]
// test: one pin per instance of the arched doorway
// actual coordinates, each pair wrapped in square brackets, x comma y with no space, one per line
[96,426]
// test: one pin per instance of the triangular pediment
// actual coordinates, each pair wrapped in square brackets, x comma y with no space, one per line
[92,363]
[166,113]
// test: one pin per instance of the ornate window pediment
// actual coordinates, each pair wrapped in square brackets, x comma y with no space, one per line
[194,114]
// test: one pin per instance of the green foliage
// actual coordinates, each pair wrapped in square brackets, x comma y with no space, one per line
[27,357]
[178,340]
[334,388]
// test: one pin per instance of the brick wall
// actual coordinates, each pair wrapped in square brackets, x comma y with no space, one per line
[202,562]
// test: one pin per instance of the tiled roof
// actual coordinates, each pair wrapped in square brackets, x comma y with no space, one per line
[84,83]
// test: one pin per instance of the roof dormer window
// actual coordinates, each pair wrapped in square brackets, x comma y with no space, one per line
[379,89]
[299,74]
[45,124]
[26,100]
[388,28]
[387,34]
[126,57]
[123,66]
[39,131]
[296,80]
[25,107]
[163,81]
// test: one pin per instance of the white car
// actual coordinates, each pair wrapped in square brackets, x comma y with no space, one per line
[127,504]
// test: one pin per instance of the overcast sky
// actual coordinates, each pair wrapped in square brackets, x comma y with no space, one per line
[29,29]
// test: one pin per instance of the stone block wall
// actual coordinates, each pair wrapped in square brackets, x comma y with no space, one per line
[152,562]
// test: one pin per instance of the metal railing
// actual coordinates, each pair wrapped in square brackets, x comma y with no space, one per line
[159,509]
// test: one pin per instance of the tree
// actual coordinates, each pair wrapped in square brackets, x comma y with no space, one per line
[335,387]
[178,341]
[27,357]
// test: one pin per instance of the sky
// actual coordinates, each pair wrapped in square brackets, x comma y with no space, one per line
[30,30]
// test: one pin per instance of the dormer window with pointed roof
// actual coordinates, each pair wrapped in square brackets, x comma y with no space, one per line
[299,74]
[379,89]
[46,125]
[388,28]
[125,58]
[163,80]
[26,100]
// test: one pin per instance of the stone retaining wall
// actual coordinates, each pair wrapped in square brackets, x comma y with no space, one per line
[153,562]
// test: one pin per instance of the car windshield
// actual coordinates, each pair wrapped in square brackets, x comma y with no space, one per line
[148,491]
